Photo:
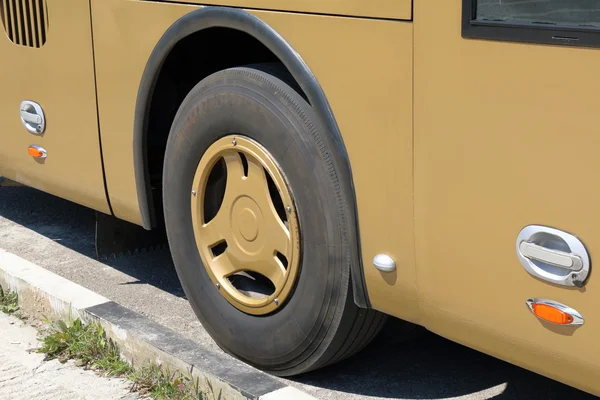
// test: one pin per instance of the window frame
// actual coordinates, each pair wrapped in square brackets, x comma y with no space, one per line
[527,32]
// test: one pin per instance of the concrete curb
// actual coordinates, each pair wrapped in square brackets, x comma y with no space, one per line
[44,294]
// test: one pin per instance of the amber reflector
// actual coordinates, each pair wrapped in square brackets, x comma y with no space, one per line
[37,153]
[551,314]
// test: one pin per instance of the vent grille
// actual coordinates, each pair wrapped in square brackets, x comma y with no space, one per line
[25,21]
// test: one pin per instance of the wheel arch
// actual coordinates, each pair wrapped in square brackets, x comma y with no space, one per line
[239,20]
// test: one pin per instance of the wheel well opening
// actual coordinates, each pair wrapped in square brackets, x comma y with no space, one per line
[192,59]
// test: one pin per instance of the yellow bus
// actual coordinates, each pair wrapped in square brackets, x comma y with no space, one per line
[319,165]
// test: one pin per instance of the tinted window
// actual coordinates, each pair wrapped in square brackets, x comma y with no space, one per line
[560,12]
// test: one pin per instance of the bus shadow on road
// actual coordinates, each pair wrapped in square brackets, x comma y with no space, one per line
[424,367]
[73,226]
[431,367]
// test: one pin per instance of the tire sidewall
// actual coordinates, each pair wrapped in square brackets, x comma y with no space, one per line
[250,103]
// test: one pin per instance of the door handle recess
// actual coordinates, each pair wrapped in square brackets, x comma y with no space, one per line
[553,256]
[549,256]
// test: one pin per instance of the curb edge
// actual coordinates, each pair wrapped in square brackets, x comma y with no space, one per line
[45,294]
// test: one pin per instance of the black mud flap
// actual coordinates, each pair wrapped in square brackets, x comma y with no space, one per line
[8,182]
[115,237]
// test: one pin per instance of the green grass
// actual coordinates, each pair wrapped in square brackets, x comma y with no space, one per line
[159,383]
[86,344]
[89,346]
[9,303]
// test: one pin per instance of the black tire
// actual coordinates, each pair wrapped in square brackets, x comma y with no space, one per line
[319,324]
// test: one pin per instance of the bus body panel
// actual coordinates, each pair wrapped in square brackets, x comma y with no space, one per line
[506,135]
[59,76]
[388,9]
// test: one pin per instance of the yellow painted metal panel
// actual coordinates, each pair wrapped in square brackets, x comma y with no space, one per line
[25,27]
[18,14]
[5,17]
[13,23]
[118,36]
[60,77]
[33,23]
[393,9]
[506,135]
[40,16]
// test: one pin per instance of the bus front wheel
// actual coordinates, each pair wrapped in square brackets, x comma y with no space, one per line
[253,217]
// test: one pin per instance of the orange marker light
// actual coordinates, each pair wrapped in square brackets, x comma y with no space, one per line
[36,151]
[551,314]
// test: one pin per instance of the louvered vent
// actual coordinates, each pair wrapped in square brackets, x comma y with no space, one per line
[25,21]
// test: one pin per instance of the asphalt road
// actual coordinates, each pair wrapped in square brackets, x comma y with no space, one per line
[59,235]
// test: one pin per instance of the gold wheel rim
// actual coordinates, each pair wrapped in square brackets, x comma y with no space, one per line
[253,237]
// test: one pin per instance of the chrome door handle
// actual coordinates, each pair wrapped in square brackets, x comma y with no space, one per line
[31,117]
[553,255]
[557,258]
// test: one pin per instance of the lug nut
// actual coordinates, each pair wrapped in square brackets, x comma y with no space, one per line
[193,192]
[234,142]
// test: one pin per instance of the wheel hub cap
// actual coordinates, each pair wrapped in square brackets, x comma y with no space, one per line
[247,231]
[248,224]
